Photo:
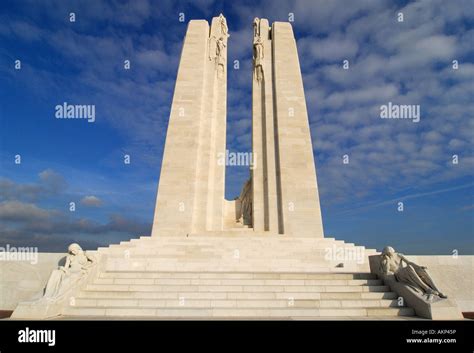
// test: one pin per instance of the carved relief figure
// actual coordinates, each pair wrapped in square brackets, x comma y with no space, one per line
[212,48]
[77,264]
[258,55]
[218,44]
[221,56]
[410,273]
[256,28]
[223,25]
[246,203]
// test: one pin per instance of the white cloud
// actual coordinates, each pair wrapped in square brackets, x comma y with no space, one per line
[91,201]
[18,211]
[333,48]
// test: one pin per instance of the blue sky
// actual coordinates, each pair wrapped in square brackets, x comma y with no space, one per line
[63,161]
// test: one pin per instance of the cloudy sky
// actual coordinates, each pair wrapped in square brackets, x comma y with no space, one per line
[390,160]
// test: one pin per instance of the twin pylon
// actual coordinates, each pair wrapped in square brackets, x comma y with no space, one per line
[282,195]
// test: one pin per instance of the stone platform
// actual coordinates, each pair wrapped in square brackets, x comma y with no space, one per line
[232,277]
[235,252]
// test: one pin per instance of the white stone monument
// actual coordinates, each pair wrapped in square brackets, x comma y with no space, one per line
[263,255]
[285,197]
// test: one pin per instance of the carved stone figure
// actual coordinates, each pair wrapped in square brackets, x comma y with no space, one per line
[218,44]
[224,28]
[246,203]
[221,56]
[258,55]
[256,28]
[409,273]
[212,48]
[78,262]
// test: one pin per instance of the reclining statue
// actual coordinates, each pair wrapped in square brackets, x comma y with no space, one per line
[78,262]
[409,273]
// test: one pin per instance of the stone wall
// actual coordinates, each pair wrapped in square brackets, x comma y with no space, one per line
[454,276]
[22,280]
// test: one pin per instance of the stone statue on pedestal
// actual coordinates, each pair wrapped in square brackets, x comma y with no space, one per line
[78,262]
[409,273]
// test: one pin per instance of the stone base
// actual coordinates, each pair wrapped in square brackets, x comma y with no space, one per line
[231,275]
[234,276]
[37,310]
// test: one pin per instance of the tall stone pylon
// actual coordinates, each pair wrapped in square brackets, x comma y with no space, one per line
[190,195]
[282,195]
[285,189]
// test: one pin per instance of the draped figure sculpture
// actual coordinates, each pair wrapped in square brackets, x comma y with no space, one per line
[221,57]
[258,50]
[223,25]
[245,199]
[408,272]
[217,44]
[256,28]
[78,262]
[258,56]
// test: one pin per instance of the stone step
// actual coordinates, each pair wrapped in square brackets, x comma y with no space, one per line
[218,264]
[235,312]
[244,241]
[240,282]
[236,288]
[236,275]
[144,265]
[222,236]
[237,295]
[234,237]
[232,245]
[235,253]
[234,303]
[246,237]
[224,242]
[225,248]
[315,260]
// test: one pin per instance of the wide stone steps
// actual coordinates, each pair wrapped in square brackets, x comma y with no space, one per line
[236,303]
[164,294]
[205,266]
[237,288]
[229,242]
[206,313]
[239,282]
[235,275]
[236,295]
[144,245]
[235,253]
[186,249]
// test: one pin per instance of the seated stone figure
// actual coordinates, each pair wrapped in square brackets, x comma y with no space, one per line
[77,264]
[408,272]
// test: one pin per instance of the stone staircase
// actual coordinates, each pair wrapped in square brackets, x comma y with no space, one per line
[220,295]
[234,276]
[239,252]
